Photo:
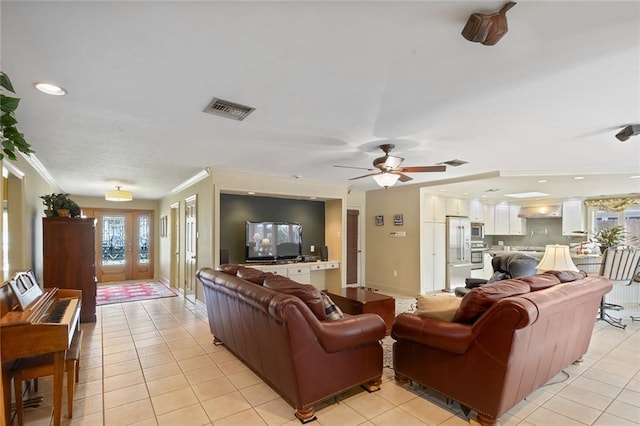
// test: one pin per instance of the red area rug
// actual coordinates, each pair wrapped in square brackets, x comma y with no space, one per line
[122,293]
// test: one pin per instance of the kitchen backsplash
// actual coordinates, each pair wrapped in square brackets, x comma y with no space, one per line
[540,232]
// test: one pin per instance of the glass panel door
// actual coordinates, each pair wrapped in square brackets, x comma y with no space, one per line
[115,250]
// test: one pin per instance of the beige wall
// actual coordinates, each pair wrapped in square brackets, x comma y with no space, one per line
[386,254]
[203,190]
[25,229]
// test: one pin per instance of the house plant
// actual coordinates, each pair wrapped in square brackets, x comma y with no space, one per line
[609,237]
[12,140]
[60,205]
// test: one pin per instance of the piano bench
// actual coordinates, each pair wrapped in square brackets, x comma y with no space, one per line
[41,366]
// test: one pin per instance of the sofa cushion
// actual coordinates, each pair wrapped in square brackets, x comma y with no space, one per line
[331,310]
[480,299]
[228,268]
[437,307]
[540,281]
[306,292]
[568,276]
[253,275]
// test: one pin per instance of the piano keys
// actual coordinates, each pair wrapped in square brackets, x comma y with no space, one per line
[45,325]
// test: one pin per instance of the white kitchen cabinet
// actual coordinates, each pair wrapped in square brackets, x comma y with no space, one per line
[476,211]
[433,257]
[489,212]
[501,219]
[573,223]
[457,207]
[434,208]
[516,224]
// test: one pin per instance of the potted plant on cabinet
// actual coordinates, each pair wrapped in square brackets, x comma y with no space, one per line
[60,205]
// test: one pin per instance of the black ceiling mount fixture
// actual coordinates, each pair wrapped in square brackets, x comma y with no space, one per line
[627,132]
[487,28]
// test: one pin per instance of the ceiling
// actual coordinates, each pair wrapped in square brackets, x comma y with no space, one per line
[330,81]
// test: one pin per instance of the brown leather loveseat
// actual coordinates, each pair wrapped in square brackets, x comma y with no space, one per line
[506,340]
[288,342]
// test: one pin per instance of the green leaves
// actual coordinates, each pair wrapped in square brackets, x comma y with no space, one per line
[11,138]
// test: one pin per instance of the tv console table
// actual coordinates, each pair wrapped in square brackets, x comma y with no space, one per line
[303,272]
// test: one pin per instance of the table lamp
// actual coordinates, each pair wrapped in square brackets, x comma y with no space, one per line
[556,258]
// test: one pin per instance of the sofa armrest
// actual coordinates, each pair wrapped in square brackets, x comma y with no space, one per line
[348,332]
[448,336]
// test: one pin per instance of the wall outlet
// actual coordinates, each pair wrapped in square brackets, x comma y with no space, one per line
[312,248]
[500,243]
[395,273]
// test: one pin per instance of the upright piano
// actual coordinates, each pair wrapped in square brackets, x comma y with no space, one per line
[35,322]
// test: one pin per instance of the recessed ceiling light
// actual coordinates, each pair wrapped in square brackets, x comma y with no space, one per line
[542,181]
[50,89]
[635,177]
[578,178]
[526,195]
[251,193]
[484,196]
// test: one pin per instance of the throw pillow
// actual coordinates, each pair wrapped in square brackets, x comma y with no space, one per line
[306,292]
[437,307]
[498,276]
[332,310]
[480,299]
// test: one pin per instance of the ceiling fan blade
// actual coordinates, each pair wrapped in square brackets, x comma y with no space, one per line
[403,177]
[419,169]
[364,176]
[351,167]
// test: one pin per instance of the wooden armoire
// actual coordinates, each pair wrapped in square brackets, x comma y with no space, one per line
[69,258]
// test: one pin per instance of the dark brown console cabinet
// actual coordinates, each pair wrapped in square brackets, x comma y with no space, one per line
[68,248]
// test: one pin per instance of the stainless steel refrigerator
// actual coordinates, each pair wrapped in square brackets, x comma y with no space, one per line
[458,252]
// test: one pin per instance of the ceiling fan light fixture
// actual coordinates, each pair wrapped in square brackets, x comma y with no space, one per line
[386,179]
[118,195]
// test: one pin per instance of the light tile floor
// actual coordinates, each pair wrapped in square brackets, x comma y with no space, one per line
[153,363]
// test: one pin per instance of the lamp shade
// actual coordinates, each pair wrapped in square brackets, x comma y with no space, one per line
[556,258]
[386,179]
[118,195]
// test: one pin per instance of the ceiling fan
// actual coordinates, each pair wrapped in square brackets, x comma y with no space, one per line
[390,170]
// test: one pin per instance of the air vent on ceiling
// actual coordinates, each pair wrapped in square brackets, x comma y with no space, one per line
[455,163]
[228,109]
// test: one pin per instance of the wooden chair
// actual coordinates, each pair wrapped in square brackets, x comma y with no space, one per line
[37,366]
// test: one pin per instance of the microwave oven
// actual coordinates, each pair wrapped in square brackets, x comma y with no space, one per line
[477,231]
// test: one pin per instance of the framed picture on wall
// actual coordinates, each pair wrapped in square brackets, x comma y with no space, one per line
[379,220]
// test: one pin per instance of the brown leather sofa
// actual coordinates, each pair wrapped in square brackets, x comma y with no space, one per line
[506,340]
[284,339]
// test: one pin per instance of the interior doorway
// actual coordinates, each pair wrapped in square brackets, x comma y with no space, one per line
[353,246]
[175,245]
[190,248]
[124,245]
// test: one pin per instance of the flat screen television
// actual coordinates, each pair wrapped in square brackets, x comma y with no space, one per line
[273,242]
